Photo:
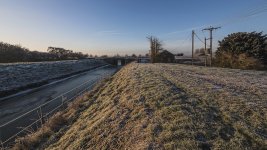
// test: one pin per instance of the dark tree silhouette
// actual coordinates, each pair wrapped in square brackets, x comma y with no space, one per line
[134,55]
[155,47]
[15,53]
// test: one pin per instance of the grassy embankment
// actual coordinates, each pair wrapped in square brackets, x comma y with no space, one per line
[162,106]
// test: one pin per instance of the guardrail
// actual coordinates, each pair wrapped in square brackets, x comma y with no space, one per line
[33,119]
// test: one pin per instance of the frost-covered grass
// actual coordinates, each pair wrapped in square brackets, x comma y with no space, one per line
[170,106]
[19,76]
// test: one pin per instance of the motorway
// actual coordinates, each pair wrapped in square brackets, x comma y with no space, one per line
[15,106]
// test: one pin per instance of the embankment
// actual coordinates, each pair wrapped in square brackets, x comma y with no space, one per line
[163,106]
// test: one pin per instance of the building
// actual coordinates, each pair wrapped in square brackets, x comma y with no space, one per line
[165,57]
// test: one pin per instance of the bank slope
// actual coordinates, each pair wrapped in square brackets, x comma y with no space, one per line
[164,106]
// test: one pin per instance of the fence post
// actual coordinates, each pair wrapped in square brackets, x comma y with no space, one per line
[41,120]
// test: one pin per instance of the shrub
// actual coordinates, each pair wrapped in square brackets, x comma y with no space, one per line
[242,50]
[238,61]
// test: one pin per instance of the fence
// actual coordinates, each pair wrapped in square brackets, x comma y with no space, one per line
[34,118]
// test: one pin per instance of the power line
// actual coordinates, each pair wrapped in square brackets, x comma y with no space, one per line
[199,38]
[203,33]
[251,12]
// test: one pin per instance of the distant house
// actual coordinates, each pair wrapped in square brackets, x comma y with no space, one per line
[165,57]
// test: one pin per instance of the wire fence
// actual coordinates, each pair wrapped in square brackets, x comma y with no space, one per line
[33,119]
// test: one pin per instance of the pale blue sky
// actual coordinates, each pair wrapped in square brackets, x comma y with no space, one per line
[121,26]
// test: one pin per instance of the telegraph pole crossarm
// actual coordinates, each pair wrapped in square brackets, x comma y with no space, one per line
[211,29]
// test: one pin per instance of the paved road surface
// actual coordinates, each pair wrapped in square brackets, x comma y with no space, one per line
[15,106]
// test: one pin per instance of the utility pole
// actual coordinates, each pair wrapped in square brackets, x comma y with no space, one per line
[211,29]
[193,33]
[205,45]
[205,51]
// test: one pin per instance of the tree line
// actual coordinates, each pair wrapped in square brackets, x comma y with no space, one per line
[15,53]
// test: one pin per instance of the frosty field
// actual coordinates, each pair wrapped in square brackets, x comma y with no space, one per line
[15,77]
[164,106]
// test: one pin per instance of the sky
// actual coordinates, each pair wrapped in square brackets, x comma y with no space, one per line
[112,27]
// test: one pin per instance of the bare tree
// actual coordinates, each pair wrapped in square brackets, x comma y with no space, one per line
[155,47]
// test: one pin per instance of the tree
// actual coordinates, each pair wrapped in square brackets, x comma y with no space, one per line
[155,47]
[63,54]
[104,56]
[13,53]
[251,45]
[134,55]
[16,53]
[117,55]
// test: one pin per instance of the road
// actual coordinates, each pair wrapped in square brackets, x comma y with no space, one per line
[13,107]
